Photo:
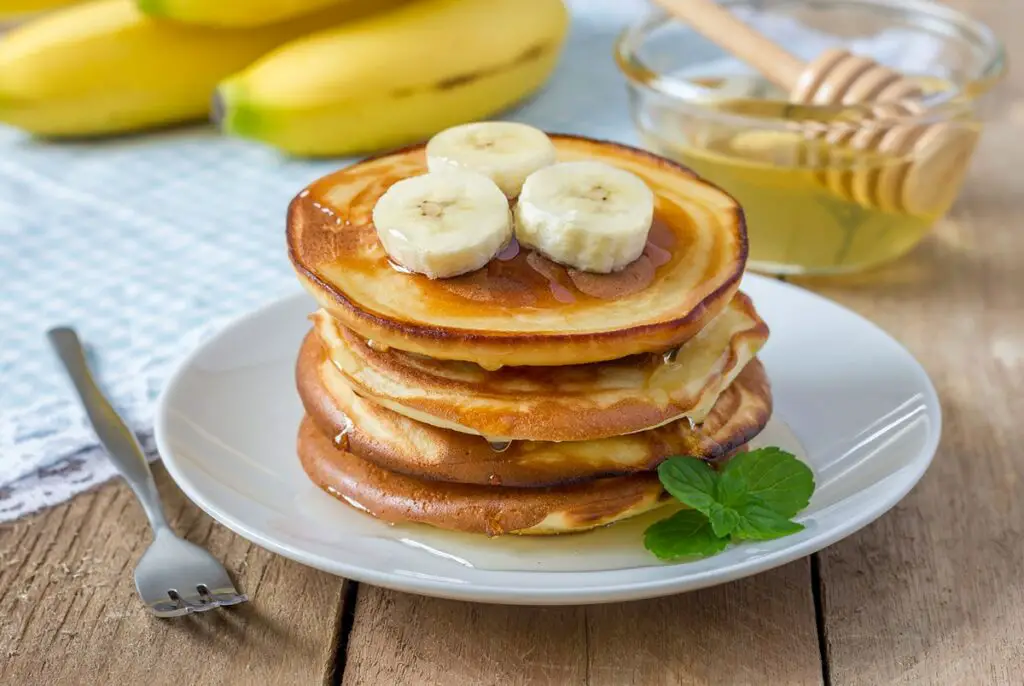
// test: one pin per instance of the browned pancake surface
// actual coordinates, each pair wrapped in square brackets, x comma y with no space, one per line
[570,403]
[400,444]
[465,507]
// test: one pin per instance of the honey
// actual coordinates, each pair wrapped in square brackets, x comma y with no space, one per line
[811,205]
[521,278]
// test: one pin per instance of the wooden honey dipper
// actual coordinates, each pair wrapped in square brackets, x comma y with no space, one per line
[935,153]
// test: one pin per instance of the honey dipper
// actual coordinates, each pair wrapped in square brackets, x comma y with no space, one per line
[936,153]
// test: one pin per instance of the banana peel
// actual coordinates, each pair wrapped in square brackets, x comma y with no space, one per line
[232,12]
[396,77]
[16,9]
[104,67]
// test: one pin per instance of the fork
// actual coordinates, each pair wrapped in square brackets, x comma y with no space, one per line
[173,577]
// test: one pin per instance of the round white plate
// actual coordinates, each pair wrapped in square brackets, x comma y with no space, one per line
[864,412]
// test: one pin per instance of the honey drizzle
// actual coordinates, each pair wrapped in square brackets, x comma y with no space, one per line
[656,254]
[561,293]
[341,440]
[508,281]
[510,251]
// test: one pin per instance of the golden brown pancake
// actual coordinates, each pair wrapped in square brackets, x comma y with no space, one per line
[399,444]
[571,403]
[466,507]
[521,309]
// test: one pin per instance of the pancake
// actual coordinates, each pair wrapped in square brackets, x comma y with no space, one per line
[571,403]
[521,309]
[490,510]
[399,444]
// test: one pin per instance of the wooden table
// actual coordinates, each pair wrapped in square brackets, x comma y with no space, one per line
[933,593]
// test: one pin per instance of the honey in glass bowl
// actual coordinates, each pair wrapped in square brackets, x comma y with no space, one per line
[813,204]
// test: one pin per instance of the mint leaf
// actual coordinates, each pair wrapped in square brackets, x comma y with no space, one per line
[723,520]
[758,522]
[690,481]
[752,498]
[773,477]
[732,490]
[687,533]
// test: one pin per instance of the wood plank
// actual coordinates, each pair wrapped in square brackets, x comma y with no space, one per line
[686,639]
[69,613]
[760,630]
[399,638]
[933,592]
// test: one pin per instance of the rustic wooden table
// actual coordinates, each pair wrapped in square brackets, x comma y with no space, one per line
[930,594]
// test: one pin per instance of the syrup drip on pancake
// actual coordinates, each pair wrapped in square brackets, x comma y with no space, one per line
[399,268]
[499,446]
[659,245]
[327,211]
[520,277]
[510,251]
[341,438]
[638,275]
[551,271]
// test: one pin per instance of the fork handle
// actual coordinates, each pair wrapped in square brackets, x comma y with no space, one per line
[120,443]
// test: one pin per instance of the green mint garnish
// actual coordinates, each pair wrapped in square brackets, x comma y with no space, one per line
[753,498]
[724,520]
[774,477]
[684,534]
[691,482]
[760,523]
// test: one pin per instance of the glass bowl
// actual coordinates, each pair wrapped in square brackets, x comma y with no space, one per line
[825,189]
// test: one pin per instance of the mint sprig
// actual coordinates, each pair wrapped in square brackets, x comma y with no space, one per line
[753,498]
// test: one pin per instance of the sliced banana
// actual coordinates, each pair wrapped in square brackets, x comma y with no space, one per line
[587,215]
[506,152]
[443,224]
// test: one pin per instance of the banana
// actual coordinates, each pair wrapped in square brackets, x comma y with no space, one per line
[506,152]
[588,215]
[21,8]
[231,12]
[397,77]
[443,223]
[104,67]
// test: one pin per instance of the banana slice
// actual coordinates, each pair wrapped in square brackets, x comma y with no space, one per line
[506,152]
[443,224]
[587,215]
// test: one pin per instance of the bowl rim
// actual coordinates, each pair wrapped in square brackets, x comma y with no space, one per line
[939,106]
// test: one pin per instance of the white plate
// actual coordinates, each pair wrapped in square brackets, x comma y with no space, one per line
[863,410]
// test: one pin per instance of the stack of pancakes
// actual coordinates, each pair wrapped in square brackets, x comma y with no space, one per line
[523,397]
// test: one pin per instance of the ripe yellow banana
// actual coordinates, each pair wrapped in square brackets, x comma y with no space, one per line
[395,77]
[231,12]
[104,67]
[17,8]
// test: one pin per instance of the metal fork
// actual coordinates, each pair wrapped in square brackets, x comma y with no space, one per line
[173,577]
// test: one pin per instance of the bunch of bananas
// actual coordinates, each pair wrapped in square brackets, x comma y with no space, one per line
[311,77]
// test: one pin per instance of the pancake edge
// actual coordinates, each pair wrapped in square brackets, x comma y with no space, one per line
[323,409]
[491,349]
[470,508]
